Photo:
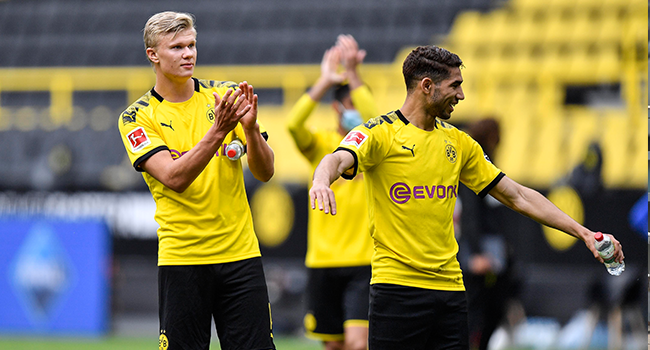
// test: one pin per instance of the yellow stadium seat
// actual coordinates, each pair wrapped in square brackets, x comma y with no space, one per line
[582,64]
[554,64]
[527,6]
[558,29]
[608,64]
[466,30]
[528,30]
[500,65]
[497,28]
[587,5]
[527,65]
[583,128]
[638,167]
[514,151]
[550,161]
[609,30]
[586,29]
[616,148]
[616,5]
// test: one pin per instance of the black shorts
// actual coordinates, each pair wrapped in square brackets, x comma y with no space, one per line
[407,318]
[234,294]
[336,298]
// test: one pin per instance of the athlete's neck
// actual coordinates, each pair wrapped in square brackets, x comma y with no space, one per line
[415,112]
[174,90]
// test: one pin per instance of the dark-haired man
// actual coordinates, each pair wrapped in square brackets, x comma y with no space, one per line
[413,161]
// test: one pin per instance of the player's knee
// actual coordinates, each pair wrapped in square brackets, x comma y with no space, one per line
[333,345]
[356,343]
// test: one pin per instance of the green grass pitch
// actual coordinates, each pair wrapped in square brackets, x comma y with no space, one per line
[112,343]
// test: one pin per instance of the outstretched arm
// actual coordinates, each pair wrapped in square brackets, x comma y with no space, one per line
[329,169]
[534,205]
[305,106]
[329,75]
[351,57]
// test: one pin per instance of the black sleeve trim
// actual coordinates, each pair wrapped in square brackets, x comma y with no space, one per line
[264,135]
[148,155]
[355,167]
[489,187]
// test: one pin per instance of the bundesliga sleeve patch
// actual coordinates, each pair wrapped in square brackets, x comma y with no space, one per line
[138,139]
[355,138]
[486,157]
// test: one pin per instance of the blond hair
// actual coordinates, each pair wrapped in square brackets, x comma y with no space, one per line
[164,23]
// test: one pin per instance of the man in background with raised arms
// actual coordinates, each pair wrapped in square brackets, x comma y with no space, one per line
[413,162]
[338,248]
[209,263]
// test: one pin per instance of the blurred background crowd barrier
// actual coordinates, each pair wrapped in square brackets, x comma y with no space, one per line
[567,81]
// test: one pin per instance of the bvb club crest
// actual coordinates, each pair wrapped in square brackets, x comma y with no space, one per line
[163,343]
[450,152]
[210,115]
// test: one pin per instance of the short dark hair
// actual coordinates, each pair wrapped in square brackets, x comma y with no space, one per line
[428,61]
[341,91]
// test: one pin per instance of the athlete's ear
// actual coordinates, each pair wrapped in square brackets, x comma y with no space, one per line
[426,84]
[152,54]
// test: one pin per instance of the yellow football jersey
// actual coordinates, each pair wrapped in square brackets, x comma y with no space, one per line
[412,178]
[343,239]
[210,222]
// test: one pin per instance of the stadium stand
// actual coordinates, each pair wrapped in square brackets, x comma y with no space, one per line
[69,58]
[108,33]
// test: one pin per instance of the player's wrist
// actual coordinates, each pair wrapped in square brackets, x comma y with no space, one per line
[325,81]
[253,128]
[319,182]
[583,234]
[215,135]
[319,88]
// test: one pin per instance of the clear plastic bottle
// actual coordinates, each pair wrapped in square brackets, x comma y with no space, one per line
[606,250]
[235,149]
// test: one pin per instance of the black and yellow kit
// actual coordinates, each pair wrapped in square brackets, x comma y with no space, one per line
[412,178]
[210,222]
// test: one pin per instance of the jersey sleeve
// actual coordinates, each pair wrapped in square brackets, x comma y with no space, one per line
[265,134]
[364,102]
[478,172]
[366,146]
[302,136]
[140,138]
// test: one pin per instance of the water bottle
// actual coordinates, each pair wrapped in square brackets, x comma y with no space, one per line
[606,250]
[235,149]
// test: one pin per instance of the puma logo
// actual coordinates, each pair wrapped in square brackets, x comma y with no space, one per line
[168,125]
[410,149]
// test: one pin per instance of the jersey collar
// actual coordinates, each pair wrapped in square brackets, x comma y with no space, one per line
[197,88]
[406,122]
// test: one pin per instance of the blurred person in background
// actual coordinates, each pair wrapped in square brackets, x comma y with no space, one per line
[484,253]
[338,248]
[413,161]
[209,262]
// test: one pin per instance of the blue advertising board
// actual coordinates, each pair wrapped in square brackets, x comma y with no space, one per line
[54,276]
